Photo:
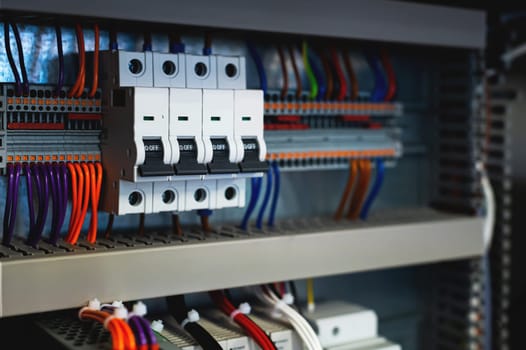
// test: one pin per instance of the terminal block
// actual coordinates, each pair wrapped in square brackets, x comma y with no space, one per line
[182,127]
[46,125]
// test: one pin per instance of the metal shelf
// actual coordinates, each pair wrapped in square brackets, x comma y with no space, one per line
[131,267]
[379,20]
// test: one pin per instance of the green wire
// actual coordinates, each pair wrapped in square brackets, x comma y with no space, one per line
[312,79]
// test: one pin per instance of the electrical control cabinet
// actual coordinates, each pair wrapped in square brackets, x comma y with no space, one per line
[305,151]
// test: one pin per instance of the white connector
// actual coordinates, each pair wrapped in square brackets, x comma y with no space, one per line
[135,69]
[94,304]
[201,72]
[140,309]
[231,72]
[169,70]
[121,312]
[248,120]
[157,326]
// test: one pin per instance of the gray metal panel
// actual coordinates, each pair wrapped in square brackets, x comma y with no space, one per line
[31,285]
[381,20]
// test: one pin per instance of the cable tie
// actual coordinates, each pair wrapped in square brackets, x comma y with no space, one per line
[108,320]
[192,317]
[244,309]
[121,312]
[94,304]
[157,326]
[139,309]
[288,299]
[85,308]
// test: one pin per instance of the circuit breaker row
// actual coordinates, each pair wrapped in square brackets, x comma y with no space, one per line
[192,130]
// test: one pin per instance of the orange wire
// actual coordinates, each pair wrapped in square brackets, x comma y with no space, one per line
[129,337]
[353,168]
[95,84]
[361,190]
[74,208]
[85,201]
[78,204]
[114,326]
[82,63]
[96,185]
[296,72]
[352,76]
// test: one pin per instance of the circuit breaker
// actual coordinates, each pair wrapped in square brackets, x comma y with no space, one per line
[181,132]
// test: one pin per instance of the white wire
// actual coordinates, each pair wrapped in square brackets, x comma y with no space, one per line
[509,56]
[299,324]
[489,199]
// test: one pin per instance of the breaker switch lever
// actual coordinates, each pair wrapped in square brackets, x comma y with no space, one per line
[251,162]
[188,164]
[220,162]
[153,161]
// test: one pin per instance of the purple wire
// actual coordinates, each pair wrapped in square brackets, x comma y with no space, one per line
[42,181]
[152,339]
[65,184]
[60,82]
[138,330]
[9,53]
[52,172]
[20,49]
[29,180]
[8,202]
[14,204]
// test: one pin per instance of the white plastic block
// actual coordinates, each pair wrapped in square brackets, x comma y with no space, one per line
[201,72]
[134,198]
[248,119]
[169,70]
[377,343]
[200,194]
[231,193]
[151,113]
[231,72]
[186,120]
[168,196]
[135,69]
[237,344]
[218,121]
[340,323]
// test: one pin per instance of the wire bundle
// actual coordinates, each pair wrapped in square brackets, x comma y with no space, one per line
[251,328]
[141,328]
[121,334]
[78,88]
[300,325]
[21,86]
[364,177]
[86,184]
[188,321]
[271,196]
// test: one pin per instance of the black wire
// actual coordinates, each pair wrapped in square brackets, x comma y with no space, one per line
[177,308]
[9,53]
[109,228]
[21,57]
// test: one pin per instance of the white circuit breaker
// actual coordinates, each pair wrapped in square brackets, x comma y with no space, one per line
[181,132]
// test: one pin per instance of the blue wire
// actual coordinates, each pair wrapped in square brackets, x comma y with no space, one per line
[322,87]
[378,181]
[380,84]
[266,198]
[259,65]
[274,206]
[254,196]
[488,303]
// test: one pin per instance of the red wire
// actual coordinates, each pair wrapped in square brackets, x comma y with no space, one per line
[296,72]
[391,77]
[341,76]
[252,329]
